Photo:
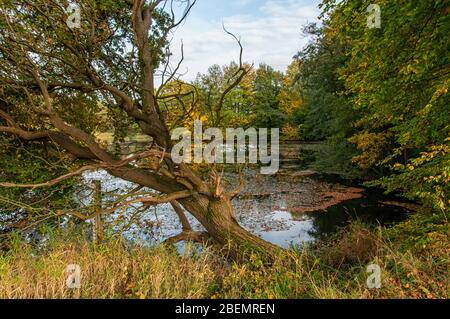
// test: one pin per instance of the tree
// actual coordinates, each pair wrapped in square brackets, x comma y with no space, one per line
[291,102]
[53,76]
[267,88]
[327,113]
[380,95]
[398,76]
[237,105]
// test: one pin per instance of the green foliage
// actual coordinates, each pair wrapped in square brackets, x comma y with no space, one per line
[426,177]
[32,164]
[326,113]
[335,157]
[328,110]
[383,90]
[237,105]
[264,98]
[399,76]
[267,88]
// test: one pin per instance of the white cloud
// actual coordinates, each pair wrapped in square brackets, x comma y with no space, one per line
[271,35]
[242,3]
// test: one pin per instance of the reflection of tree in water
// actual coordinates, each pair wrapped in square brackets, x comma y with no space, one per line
[365,210]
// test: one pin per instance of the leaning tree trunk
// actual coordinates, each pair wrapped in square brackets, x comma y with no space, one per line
[217,216]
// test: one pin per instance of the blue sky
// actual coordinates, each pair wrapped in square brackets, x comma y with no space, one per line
[270,31]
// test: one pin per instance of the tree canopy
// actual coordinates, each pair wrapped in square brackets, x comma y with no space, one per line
[384,91]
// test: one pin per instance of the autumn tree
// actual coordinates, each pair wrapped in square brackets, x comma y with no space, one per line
[267,87]
[399,76]
[56,80]
[291,105]
[237,104]
[379,96]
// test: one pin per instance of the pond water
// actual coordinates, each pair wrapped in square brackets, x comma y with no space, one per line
[291,208]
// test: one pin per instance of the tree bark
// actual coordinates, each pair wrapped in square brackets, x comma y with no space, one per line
[217,216]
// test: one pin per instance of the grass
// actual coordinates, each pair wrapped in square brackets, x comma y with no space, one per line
[414,263]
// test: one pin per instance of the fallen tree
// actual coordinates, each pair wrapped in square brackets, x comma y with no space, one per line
[61,81]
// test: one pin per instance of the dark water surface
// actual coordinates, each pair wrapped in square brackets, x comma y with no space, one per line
[294,207]
[313,226]
[269,206]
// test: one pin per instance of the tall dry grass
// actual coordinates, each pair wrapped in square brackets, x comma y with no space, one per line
[336,269]
[107,271]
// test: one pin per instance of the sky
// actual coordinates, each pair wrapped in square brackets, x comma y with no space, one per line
[270,31]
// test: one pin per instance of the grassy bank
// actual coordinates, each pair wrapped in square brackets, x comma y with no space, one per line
[415,264]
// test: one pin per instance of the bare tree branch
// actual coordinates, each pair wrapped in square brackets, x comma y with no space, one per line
[186,226]
[238,77]
[197,237]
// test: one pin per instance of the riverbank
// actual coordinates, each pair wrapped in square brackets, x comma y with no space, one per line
[414,262]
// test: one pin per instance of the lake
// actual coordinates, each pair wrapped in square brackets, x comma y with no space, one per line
[293,207]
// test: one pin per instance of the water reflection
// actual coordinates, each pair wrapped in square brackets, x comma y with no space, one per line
[368,210]
[286,228]
[267,214]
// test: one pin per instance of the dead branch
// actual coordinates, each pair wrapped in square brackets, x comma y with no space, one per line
[197,237]
[56,180]
[181,216]
[146,201]
[82,170]
[239,76]
[240,187]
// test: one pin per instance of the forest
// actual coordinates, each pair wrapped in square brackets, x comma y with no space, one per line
[87,177]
